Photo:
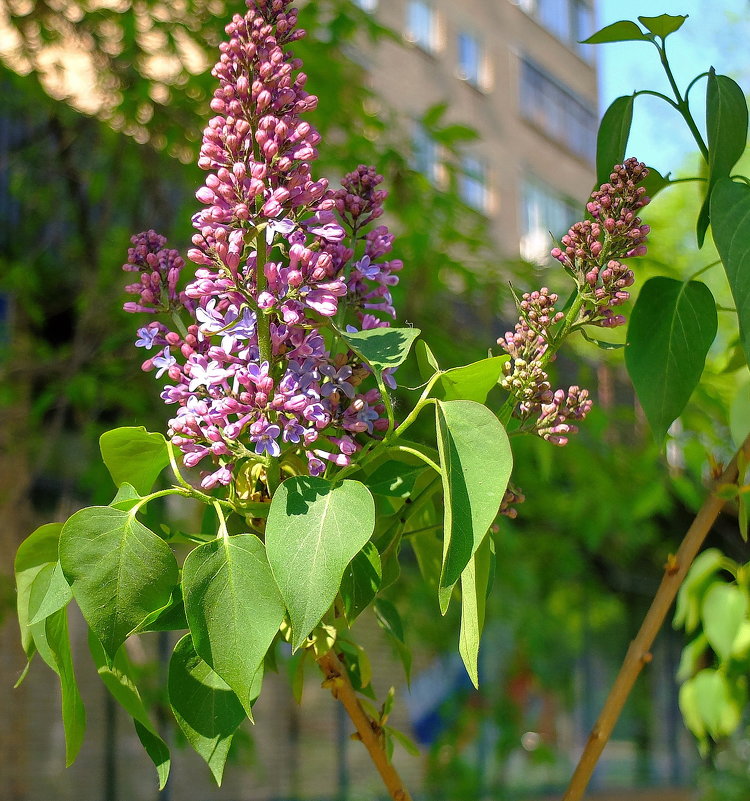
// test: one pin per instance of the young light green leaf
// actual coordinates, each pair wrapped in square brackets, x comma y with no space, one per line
[314,529]
[716,703]
[471,382]
[726,126]
[612,139]
[663,25]
[623,31]
[134,455]
[474,583]
[477,461]
[57,595]
[234,609]
[739,412]
[690,595]
[36,551]
[688,702]
[117,677]
[390,621]
[730,213]
[724,610]
[382,348]
[361,581]
[204,706]
[51,639]
[126,497]
[671,329]
[427,364]
[403,740]
[691,656]
[119,571]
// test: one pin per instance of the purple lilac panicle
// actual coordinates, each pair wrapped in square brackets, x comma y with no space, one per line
[592,252]
[260,194]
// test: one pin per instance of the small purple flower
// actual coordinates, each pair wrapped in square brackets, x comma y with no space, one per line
[163,362]
[205,373]
[146,337]
[283,227]
[337,380]
[367,268]
[264,436]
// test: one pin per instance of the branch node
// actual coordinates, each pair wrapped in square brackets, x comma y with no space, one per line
[646,657]
[672,565]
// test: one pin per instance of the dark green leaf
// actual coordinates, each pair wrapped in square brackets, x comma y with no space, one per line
[135,456]
[623,31]
[361,581]
[654,182]
[118,679]
[471,382]
[390,621]
[119,571]
[170,617]
[234,609]
[474,584]
[671,329]
[726,126]
[52,641]
[57,595]
[314,529]
[477,461]
[206,709]
[663,25]
[730,212]
[382,348]
[393,479]
[36,551]
[612,139]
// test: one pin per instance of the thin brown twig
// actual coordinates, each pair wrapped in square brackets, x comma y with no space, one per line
[337,681]
[639,652]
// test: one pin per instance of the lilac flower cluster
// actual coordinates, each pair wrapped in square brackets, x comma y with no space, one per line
[252,375]
[592,252]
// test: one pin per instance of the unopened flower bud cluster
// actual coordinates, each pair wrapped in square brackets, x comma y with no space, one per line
[592,252]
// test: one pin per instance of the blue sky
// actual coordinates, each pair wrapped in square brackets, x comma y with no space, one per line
[716,33]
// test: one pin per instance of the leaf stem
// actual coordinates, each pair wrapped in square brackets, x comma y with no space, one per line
[639,651]
[418,454]
[665,98]
[177,320]
[222,532]
[369,731]
[703,270]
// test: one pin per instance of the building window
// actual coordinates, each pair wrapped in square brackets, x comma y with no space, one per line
[421,25]
[544,211]
[569,20]
[473,184]
[424,154]
[367,5]
[470,59]
[557,111]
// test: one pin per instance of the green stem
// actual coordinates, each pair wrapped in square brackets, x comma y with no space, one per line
[263,321]
[177,320]
[222,532]
[160,494]
[665,98]
[415,452]
[704,269]
[387,401]
[192,492]
[682,104]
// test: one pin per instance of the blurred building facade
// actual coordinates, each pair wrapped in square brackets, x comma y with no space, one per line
[515,71]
